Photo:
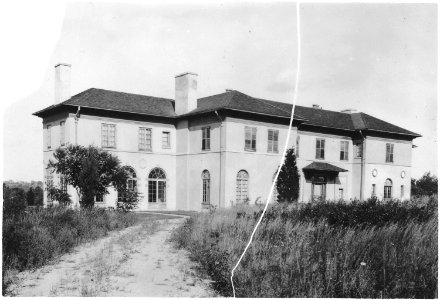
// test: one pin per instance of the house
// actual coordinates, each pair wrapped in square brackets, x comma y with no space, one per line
[188,153]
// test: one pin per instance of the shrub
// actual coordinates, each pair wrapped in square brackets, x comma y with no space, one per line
[14,201]
[31,239]
[297,252]
[288,180]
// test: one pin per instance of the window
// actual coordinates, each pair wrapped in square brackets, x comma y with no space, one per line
[48,137]
[341,194]
[166,143]
[206,138]
[206,187]
[108,135]
[402,191]
[344,150]
[157,186]
[390,153]
[373,191]
[250,139]
[62,133]
[388,189]
[358,150]
[297,146]
[131,184]
[272,141]
[63,184]
[99,198]
[242,186]
[144,139]
[320,146]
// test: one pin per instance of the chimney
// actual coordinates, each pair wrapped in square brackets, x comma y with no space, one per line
[62,82]
[349,111]
[317,106]
[186,92]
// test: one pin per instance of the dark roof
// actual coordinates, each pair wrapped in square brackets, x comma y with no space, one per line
[230,100]
[320,166]
[119,101]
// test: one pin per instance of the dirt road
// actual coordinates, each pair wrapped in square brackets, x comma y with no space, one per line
[137,261]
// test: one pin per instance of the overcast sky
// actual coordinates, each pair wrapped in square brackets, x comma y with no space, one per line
[377,58]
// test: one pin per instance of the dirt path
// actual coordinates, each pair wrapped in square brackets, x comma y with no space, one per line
[137,261]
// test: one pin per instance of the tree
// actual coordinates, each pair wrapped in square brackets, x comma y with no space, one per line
[90,171]
[14,201]
[38,191]
[427,185]
[30,197]
[288,179]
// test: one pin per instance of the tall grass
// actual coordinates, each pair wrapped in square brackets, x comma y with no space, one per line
[303,254]
[32,238]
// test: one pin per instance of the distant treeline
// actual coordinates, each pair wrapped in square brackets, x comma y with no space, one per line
[19,195]
[24,185]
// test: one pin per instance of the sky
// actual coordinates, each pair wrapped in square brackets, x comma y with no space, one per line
[377,58]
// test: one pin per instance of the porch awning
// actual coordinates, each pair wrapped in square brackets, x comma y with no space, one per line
[323,167]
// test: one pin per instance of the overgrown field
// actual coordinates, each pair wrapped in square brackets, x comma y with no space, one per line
[358,250]
[32,238]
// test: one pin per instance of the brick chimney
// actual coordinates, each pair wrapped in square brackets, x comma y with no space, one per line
[349,111]
[62,82]
[186,92]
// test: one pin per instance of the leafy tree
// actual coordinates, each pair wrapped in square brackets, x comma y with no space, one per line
[90,171]
[427,185]
[14,202]
[30,197]
[288,179]
[38,191]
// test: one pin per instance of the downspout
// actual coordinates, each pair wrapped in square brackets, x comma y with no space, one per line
[77,115]
[364,150]
[220,153]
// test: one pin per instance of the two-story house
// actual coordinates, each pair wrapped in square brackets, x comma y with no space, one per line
[187,153]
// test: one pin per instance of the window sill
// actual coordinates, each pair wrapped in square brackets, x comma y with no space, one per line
[273,152]
[250,150]
[209,149]
[169,147]
[145,150]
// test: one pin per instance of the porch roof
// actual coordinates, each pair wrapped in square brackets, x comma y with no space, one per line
[321,166]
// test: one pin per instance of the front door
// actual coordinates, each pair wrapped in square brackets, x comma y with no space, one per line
[318,191]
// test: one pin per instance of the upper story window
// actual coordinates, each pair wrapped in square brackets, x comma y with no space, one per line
[108,135]
[145,139]
[48,136]
[272,140]
[62,133]
[390,153]
[358,150]
[206,138]
[320,148]
[344,151]
[250,138]
[166,142]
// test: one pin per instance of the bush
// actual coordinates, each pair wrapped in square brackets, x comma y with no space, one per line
[14,201]
[297,252]
[31,239]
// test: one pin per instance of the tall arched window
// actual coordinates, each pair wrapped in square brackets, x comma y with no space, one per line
[206,184]
[131,183]
[275,190]
[157,186]
[388,189]
[242,186]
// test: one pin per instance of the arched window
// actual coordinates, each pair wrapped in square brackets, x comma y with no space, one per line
[388,189]
[157,186]
[131,183]
[275,190]
[206,184]
[242,186]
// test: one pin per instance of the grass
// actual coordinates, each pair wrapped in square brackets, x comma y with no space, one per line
[31,239]
[358,250]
